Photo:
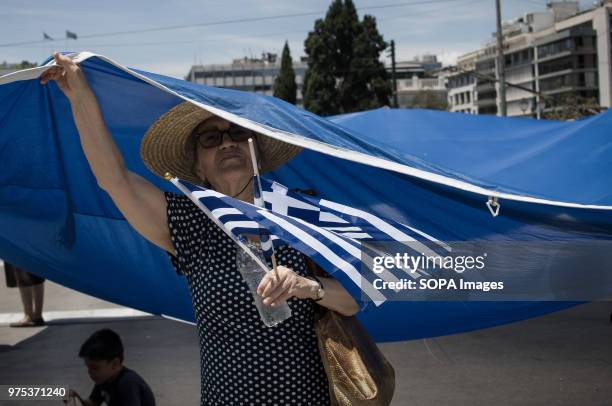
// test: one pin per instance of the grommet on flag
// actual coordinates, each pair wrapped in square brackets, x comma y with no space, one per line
[493,205]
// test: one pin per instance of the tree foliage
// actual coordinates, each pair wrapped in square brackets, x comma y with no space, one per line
[284,84]
[344,71]
[570,106]
[429,99]
[23,65]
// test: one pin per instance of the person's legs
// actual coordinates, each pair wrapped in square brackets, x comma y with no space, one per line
[38,299]
[27,296]
[27,299]
[31,290]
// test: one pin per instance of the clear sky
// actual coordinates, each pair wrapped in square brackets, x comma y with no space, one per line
[446,28]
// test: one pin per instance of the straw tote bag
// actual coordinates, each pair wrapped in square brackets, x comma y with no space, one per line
[357,371]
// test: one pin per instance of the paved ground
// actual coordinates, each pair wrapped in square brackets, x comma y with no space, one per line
[559,359]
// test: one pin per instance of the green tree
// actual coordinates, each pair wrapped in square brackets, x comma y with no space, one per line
[320,77]
[429,99]
[570,106]
[344,72]
[26,64]
[367,83]
[284,84]
[23,65]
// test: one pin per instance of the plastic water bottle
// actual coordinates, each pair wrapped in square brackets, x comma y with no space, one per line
[253,274]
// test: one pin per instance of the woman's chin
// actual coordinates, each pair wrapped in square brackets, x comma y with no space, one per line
[233,164]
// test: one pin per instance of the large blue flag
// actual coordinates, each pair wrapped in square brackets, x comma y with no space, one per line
[430,171]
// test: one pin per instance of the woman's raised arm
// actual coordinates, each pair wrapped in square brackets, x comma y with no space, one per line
[142,204]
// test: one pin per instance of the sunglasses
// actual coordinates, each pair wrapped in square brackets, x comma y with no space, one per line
[214,138]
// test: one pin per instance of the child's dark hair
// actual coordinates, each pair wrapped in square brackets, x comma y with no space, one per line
[104,345]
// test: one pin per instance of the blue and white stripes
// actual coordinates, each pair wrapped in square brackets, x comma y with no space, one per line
[329,233]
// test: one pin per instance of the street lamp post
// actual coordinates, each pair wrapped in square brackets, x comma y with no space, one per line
[539,107]
[501,75]
[523,105]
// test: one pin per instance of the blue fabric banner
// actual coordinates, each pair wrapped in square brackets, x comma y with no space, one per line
[433,171]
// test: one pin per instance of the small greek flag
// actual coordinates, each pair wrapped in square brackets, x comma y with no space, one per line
[331,234]
[343,220]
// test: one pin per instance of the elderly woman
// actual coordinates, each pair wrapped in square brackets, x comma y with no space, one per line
[242,360]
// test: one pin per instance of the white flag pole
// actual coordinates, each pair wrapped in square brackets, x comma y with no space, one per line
[176,182]
[260,202]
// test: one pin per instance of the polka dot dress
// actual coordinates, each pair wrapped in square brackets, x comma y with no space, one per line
[242,361]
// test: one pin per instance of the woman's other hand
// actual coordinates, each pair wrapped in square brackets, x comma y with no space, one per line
[69,77]
[275,290]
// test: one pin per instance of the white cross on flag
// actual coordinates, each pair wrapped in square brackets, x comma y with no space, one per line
[331,234]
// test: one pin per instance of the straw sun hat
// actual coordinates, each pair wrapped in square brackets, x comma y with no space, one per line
[168,147]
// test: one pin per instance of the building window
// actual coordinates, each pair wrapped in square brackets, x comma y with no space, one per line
[564,45]
[590,79]
[556,65]
[558,82]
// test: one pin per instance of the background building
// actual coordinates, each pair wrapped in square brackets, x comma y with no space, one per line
[416,80]
[6,68]
[461,85]
[248,74]
[420,83]
[560,51]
